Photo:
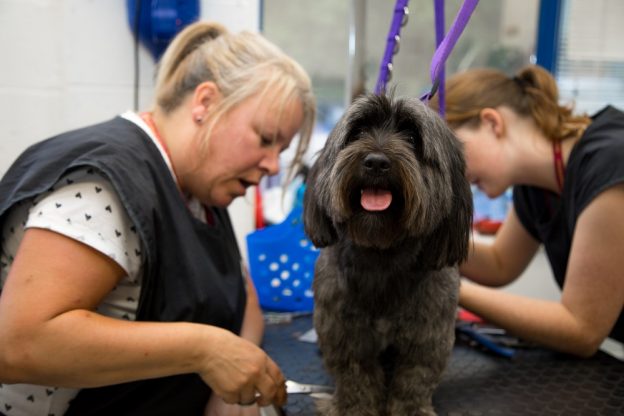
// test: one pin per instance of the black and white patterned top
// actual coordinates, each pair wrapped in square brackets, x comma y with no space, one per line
[84,207]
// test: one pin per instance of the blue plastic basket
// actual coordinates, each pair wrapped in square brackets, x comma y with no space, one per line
[281,263]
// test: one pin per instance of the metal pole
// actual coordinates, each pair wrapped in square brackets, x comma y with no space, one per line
[356,73]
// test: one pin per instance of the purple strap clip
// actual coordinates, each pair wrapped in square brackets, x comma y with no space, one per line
[446,46]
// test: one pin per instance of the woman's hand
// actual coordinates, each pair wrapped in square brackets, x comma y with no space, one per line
[240,372]
[252,330]
[217,407]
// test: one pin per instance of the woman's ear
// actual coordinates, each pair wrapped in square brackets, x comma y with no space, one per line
[205,97]
[493,119]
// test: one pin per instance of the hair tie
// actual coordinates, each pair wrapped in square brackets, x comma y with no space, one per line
[522,83]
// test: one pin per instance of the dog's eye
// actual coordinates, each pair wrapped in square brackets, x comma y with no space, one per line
[410,129]
[352,136]
[417,144]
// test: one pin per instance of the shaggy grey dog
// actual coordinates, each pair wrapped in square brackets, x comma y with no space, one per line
[388,202]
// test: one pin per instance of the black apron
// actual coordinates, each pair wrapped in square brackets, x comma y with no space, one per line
[192,270]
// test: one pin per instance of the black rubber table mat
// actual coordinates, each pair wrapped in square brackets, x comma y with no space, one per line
[477,383]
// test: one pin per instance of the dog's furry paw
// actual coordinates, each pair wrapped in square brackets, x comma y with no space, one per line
[425,410]
[326,408]
[329,408]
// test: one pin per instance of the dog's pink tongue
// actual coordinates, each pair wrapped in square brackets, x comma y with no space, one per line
[375,199]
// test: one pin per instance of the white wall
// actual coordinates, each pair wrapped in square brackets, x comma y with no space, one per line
[70,63]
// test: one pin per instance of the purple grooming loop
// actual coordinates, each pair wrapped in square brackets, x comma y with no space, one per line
[400,11]
[444,44]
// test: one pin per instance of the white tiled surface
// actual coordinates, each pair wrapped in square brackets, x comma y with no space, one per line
[66,64]
[70,63]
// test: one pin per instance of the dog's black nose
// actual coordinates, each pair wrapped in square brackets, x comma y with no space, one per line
[376,163]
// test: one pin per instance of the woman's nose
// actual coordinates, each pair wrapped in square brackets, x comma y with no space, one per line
[270,163]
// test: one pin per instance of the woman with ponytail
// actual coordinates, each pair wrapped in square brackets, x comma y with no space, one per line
[567,174]
[122,289]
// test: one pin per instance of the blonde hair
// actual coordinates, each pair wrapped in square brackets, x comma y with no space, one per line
[242,65]
[532,92]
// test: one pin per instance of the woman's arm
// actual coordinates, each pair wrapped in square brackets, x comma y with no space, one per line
[253,322]
[502,261]
[46,310]
[593,294]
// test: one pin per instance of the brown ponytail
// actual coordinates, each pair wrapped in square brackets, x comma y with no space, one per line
[532,92]
[556,121]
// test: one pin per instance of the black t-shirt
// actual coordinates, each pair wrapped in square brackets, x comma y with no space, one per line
[596,163]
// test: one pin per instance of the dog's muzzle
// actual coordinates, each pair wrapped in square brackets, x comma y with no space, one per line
[375,196]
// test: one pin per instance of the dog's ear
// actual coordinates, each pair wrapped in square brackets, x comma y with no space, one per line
[449,241]
[317,224]
[448,244]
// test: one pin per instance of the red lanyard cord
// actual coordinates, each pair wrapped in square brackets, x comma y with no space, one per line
[559,165]
[147,118]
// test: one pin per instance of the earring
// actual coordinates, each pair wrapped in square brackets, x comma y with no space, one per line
[199,119]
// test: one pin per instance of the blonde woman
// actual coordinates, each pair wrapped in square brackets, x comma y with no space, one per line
[568,195]
[123,290]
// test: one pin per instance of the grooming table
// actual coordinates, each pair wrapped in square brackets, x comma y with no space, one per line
[477,383]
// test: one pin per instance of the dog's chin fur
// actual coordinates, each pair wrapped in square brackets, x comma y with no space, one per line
[386,283]
[365,230]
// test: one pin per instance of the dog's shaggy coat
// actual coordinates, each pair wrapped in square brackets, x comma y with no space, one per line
[389,204]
